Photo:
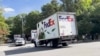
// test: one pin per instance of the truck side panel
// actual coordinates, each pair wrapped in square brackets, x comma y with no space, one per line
[48,28]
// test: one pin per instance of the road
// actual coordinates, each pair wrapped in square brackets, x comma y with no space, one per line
[80,49]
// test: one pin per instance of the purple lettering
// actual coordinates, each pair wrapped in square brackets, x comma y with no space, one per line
[49,23]
[60,17]
[46,25]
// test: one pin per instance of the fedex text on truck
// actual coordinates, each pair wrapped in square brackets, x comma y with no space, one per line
[67,17]
[49,23]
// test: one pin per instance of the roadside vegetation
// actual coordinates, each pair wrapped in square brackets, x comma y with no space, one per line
[87,16]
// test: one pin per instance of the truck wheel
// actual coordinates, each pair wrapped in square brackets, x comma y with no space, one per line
[64,44]
[55,43]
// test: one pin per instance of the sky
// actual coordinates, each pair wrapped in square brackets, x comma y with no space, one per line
[15,7]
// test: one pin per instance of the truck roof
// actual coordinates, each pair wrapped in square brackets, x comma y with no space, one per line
[65,12]
[59,13]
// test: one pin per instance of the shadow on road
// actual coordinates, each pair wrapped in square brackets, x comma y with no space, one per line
[31,49]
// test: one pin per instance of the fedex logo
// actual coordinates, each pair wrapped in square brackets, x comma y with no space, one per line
[61,17]
[49,23]
[68,18]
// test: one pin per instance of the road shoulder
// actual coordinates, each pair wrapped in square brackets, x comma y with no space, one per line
[2,53]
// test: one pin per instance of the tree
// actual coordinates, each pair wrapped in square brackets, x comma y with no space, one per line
[31,20]
[87,15]
[50,8]
[78,6]
[68,5]
[95,19]
[4,30]
[85,26]
[9,21]
[16,23]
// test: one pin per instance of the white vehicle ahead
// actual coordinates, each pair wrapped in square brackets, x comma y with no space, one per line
[19,41]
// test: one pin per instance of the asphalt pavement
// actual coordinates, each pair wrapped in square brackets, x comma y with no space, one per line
[78,49]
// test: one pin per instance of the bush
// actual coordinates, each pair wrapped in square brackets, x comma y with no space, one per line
[3,40]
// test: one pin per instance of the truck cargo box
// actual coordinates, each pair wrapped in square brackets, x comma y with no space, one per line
[57,25]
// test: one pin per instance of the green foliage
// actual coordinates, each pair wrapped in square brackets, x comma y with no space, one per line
[83,6]
[15,23]
[85,26]
[96,21]
[31,20]
[9,21]
[50,8]
[4,29]
[68,5]
[87,16]
[78,6]
[42,35]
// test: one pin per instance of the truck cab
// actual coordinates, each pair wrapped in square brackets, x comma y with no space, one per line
[33,35]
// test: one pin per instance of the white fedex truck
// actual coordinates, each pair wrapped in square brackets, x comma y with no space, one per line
[56,29]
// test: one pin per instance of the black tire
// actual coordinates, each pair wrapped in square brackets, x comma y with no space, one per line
[32,41]
[64,44]
[35,44]
[55,43]
[16,45]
